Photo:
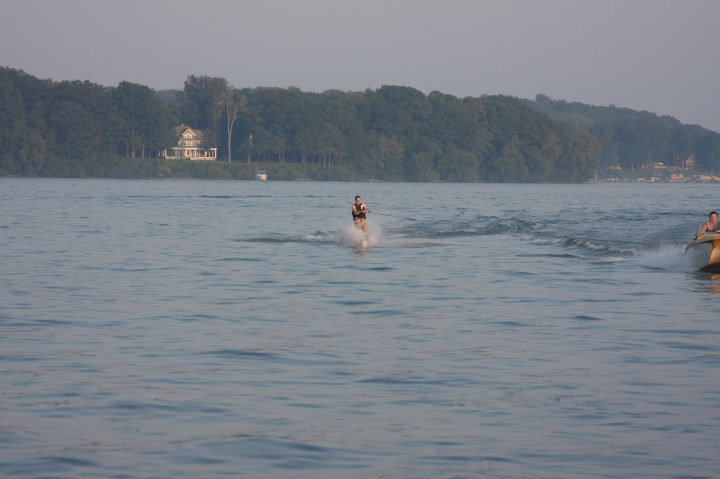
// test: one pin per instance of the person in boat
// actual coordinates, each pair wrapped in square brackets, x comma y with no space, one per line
[710,226]
[358,213]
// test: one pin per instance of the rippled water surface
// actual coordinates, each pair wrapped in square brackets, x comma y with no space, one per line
[206,329]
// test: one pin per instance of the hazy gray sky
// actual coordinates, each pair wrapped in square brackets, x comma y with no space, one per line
[655,55]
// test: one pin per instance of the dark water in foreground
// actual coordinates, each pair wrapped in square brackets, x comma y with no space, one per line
[206,329]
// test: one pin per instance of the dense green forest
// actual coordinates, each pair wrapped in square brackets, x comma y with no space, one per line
[394,133]
[635,139]
[75,128]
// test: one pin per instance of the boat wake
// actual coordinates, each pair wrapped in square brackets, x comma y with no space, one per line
[664,257]
[349,236]
[669,258]
[595,248]
[584,244]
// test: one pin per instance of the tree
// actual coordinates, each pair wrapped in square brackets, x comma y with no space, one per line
[458,165]
[143,118]
[509,165]
[234,103]
[76,119]
[708,151]
[203,104]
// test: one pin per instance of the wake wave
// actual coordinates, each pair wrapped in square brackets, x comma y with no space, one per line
[670,258]
[586,244]
[309,238]
[426,234]
[480,226]
[349,236]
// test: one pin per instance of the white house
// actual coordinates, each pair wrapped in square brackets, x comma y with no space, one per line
[190,146]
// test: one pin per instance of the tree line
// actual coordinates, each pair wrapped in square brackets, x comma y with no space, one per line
[636,139]
[393,133]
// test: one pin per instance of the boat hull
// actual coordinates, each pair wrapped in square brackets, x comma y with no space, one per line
[704,252]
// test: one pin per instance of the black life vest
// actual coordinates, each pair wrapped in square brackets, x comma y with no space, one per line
[361,208]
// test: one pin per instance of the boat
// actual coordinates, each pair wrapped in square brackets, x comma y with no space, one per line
[261,175]
[703,251]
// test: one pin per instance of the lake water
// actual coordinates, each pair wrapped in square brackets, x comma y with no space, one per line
[208,329]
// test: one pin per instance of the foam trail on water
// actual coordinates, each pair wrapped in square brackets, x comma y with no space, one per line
[669,258]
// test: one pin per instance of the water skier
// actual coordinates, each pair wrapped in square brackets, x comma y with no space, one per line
[358,213]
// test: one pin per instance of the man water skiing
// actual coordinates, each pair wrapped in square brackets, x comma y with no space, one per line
[358,213]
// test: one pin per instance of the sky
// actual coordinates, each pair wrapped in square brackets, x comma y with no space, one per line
[659,56]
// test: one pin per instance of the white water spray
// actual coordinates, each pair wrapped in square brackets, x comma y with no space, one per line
[356,238]
[669,258]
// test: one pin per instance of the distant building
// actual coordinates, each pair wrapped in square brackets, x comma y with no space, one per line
[190,146]
[654,165]
[689,162]
[677,177]
[708,178]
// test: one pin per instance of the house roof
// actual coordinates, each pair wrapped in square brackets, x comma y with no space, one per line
[181,130]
